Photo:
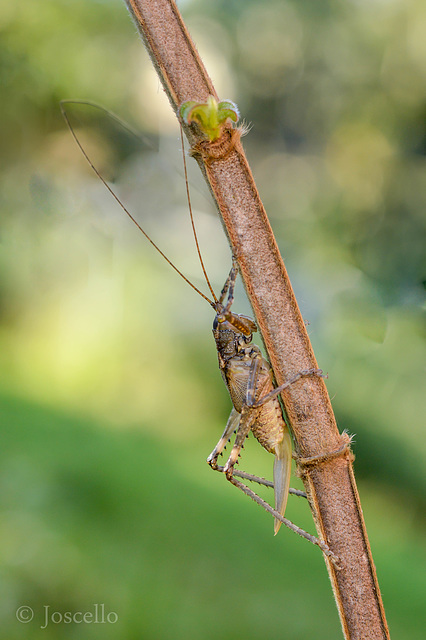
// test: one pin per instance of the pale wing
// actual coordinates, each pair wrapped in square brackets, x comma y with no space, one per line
[282,472]
[237,376]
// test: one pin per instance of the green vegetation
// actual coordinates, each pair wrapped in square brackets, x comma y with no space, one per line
[210,116]
[97,515]
[110,395]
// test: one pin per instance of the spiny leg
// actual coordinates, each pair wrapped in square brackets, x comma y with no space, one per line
[246,421]
[301,532]
[247,418]
[232,278]
[282,447]
[307,372]
[315,461]
[252,403]
[254,372]
[229,285]
[262,481]
[242,422]
[231,425]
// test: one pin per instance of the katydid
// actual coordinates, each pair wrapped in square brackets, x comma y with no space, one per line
[246,373]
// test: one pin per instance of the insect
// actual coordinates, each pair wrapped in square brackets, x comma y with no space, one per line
[256,408]
[247,375]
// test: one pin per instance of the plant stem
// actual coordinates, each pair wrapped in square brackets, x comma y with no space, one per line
[328,479]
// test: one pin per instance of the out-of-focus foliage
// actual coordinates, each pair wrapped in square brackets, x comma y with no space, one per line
[111,398]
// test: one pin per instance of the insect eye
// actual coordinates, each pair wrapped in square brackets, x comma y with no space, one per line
[218,319]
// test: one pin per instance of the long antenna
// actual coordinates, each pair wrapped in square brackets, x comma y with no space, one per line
[125,125]
[192,219]
[117,199]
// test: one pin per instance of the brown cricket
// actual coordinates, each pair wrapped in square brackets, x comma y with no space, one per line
[248,377]
[246,373]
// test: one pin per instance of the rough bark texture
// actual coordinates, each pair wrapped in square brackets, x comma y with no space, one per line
[328,479]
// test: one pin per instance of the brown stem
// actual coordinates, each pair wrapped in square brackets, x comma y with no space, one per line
[328,479]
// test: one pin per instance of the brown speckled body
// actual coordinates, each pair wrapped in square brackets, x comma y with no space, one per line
[248,377]
[269,426]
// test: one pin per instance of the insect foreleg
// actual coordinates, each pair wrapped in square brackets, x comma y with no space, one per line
[228,287]
[231,426]
[247,418]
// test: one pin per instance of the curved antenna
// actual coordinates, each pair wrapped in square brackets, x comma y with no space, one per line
[113,116]
[116,198]
[192,220]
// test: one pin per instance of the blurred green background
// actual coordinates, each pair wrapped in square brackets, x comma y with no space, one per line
[110,396]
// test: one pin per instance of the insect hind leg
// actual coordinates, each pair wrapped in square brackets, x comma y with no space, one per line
[259,480]
[301,532]
[275,392]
